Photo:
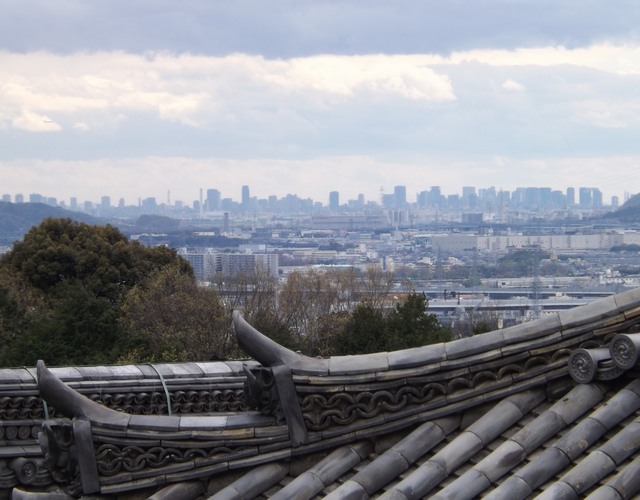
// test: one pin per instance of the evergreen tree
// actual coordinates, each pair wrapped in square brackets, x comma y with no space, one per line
[77,276]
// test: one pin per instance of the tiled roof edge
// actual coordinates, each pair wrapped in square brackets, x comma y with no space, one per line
[568,323]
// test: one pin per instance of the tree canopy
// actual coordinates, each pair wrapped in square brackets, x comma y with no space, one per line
[63,286]
[73,293]
[409,324]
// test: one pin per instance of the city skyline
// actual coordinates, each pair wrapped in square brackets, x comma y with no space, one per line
[212,199]
[310,97]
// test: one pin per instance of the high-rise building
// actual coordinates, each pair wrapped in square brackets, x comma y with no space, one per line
[246,198]
[334,201]
[469,196]
[571,196]
[389,201]
[586,197]
[105,203]
[6,197]
[213,200]
[435,197]
[596,197]
[422,199]
[400,195]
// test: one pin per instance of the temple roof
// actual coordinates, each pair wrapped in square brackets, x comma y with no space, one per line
[547,408]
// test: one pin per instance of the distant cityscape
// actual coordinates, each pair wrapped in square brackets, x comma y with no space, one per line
[397,206]
[438,243]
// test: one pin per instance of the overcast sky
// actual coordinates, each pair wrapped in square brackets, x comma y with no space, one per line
[135,98]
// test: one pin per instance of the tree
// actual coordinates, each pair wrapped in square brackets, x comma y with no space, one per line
[99,257]
[408,325]
[76,328]
[304,299]
[176,320]
[363,332]
[377,284]
[79,274]
[20,306]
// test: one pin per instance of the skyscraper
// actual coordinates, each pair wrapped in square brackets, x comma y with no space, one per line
[213,200]
[586,198]
[105,202]
[571,196]
[246,198]
[400,194]
[334,201]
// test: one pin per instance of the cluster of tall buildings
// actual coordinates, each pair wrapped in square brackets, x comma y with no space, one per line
[527,198]
[471,199]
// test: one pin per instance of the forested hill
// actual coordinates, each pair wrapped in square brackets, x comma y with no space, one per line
[629,212]
[17,218]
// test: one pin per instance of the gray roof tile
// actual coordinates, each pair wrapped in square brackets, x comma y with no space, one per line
[515,449]
[474,345]
[625,484]
[250,485]
[595,311]
[418,356]
[628,300]
[532,330]
[594,467]
[463,487]
[364,363]
[558,491]
[483,373]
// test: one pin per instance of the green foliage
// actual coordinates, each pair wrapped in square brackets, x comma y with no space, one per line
[62,290]
[177,320]
[364,331]
[520,263]
[78,328]
[408,325]
[71,293]
[20,306]
[270,324]
[99,257]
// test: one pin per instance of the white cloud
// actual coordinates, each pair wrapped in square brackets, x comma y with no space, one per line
[189,89]
[513,86]
[83,127]
[606,114]
[317,123]
[244,93]
[33,122]
[622,59]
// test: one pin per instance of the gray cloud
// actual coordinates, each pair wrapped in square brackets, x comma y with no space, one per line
[289,28]
[310,94]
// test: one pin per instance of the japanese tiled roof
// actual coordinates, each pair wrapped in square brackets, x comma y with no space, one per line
[544,409]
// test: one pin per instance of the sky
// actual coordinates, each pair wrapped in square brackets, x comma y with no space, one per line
[151,98]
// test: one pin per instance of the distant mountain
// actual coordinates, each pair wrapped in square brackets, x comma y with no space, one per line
[629,212]
[17,218]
